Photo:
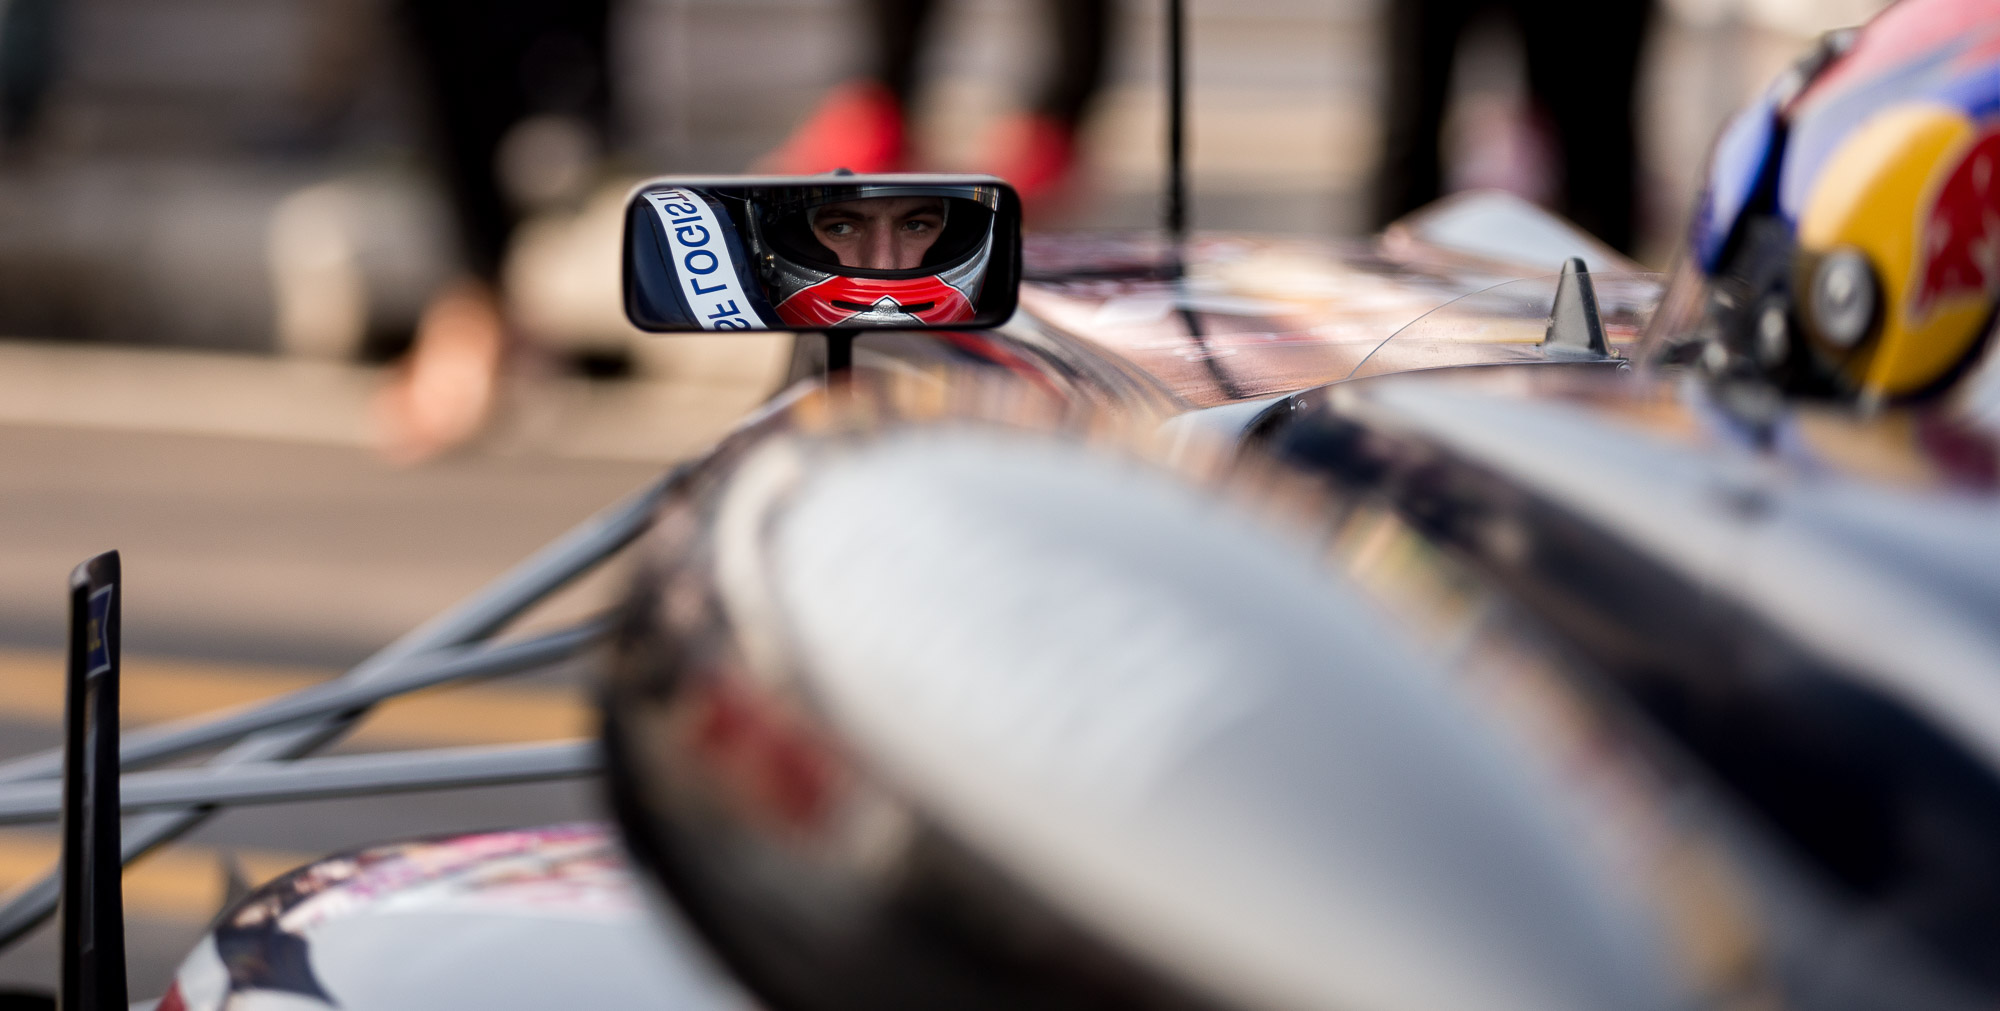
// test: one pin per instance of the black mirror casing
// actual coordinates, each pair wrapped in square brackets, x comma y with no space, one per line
[740,253]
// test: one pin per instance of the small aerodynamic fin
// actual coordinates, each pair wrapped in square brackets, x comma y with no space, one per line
[1573,323]
[92,908]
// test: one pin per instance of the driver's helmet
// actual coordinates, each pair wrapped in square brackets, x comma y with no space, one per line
[811,288]
[1847,241]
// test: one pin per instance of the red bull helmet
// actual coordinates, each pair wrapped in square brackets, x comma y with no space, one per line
[927,270]
[1847,241]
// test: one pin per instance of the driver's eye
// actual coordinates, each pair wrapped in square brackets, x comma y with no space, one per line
[839,228]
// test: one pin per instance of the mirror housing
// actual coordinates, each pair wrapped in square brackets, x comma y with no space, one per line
[831,252]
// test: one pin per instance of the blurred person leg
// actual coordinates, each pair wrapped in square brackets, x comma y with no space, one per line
[863,124]
[1036,150]
[28,59]
[1583,67]
[501,75]
[1423,38]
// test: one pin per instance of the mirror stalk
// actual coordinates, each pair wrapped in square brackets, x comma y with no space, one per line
[839,353]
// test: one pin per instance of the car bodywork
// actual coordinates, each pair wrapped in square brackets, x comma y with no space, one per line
[537,917]
[1673,751]
[1785,615]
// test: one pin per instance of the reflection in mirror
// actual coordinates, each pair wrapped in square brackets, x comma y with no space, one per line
[911,252]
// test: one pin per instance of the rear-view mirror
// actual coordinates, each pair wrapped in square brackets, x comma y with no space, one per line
[822,253]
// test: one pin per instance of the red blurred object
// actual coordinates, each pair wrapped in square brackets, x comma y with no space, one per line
[858,126]
[171,1000]
[1036,153]
[770,756]
[1958,260]
[837,300]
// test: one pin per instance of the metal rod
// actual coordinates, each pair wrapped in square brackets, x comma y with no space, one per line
[1177,223]
[86,798]
[321,778]
[330,698]
[475,618]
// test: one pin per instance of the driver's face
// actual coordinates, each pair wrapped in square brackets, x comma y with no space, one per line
[880,233]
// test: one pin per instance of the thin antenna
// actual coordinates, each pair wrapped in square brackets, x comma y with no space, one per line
[1176,122]
[92,905]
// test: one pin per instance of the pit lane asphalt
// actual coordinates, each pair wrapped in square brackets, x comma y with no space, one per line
[255,565]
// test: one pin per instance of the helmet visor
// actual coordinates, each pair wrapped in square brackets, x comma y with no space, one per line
[882,232]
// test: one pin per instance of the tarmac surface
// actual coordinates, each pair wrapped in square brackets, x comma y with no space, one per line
[259,564]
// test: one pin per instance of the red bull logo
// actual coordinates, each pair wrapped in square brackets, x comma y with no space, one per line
[1960,252]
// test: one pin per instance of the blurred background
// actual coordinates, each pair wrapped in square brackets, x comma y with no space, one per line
[224,223]
[204,173]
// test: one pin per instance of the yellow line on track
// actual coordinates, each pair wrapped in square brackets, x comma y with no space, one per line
[152,691]
[186,882]
[178,883]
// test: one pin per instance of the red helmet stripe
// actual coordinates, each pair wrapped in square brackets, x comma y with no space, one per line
[928,299]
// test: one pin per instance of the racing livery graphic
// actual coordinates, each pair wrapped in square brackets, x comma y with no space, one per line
[1961,248]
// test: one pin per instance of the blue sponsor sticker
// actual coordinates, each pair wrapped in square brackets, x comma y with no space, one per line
[701,260]
[97,652]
